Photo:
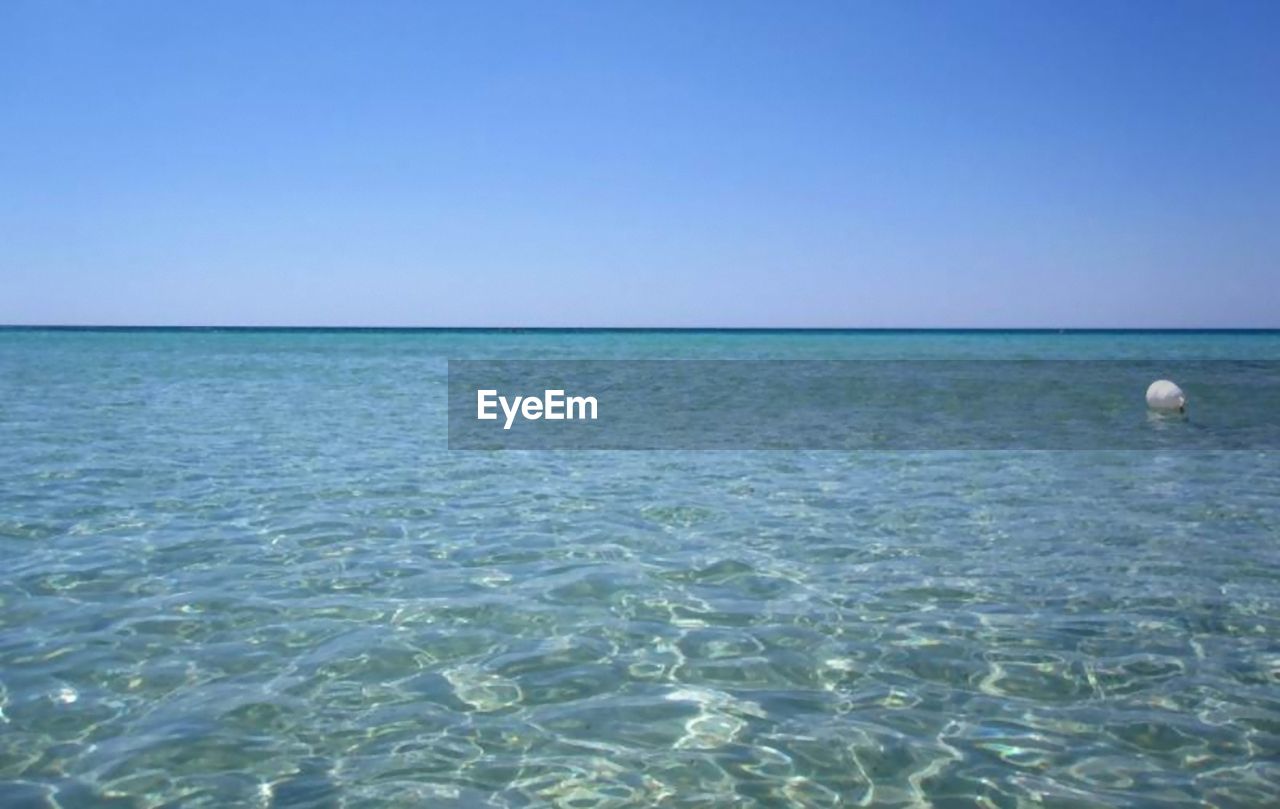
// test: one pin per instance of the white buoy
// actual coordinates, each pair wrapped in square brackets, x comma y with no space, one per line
[1164,395]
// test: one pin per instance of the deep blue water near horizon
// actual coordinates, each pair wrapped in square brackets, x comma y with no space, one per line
[241,569]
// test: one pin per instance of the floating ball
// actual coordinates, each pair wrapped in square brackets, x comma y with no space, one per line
[1164,395]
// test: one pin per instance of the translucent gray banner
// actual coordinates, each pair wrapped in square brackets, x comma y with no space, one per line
[858,405]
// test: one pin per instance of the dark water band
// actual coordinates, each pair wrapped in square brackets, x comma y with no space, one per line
[862,405]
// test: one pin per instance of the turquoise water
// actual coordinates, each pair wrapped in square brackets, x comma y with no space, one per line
[240,569]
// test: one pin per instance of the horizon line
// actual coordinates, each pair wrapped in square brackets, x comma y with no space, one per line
[745,329]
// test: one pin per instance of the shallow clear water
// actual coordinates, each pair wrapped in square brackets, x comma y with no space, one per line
[240,569]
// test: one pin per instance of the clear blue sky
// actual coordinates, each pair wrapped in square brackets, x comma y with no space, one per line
[658,163]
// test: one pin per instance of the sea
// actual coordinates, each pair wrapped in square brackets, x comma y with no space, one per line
[243,568]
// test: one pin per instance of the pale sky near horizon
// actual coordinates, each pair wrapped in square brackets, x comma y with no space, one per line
[849,164]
